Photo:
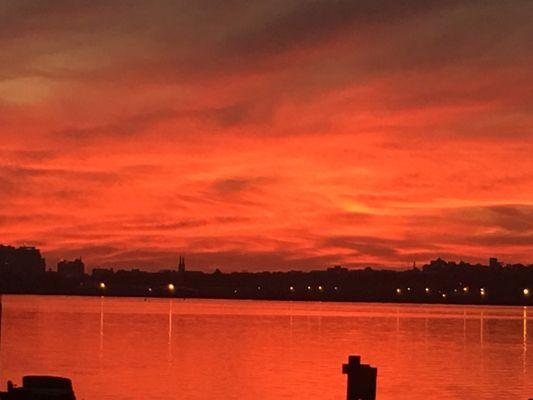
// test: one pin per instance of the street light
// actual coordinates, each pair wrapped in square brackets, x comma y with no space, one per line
[526,292]
[171,287]
[102,285]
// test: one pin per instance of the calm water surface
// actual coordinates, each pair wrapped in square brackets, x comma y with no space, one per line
[129,348]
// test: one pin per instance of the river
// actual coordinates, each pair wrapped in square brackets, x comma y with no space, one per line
[135,348]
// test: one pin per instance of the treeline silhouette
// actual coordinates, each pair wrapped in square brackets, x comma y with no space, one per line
[23,271]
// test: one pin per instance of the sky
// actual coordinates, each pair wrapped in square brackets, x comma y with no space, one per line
[268,135]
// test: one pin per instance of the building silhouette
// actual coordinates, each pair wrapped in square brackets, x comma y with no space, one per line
[21,262]
[102,273]
[181,265]
[71,269]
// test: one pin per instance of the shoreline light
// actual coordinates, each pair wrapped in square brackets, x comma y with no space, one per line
[102,285]
[526,292]
[171,287]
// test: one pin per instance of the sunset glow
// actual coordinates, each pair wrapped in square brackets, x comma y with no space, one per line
[267,135]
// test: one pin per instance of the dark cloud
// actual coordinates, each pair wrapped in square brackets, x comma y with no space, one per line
[46,185]
[123,127]
[20,175]
[146,224]
[364,245]
[502,240]
[351,218]
[517,218]
[382,199]
[233,186]
[29,172]
[310,23]
[8,220]
[339,43]
[238,114]
[512,217]
[239,35]
[27,156]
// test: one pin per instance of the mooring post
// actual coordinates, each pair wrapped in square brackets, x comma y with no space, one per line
[361,379]
[0,333]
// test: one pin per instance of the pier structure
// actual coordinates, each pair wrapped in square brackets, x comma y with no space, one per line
[362,379]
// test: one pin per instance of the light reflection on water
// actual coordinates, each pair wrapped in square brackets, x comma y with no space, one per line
[211,349]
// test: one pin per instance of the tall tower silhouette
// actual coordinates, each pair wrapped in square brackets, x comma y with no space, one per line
[181,264]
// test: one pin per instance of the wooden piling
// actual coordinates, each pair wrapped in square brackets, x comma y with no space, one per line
[362,379]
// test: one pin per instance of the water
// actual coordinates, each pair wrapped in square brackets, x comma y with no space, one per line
[129,348]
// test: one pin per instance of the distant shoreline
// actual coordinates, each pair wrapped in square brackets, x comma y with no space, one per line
[23,271]
[297,300]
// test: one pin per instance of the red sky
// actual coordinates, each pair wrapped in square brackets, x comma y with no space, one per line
[267,135]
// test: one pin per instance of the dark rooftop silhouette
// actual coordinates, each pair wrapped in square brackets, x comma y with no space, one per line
[40,387]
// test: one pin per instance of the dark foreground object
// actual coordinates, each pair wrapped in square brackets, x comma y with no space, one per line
[40,388]
[361,379]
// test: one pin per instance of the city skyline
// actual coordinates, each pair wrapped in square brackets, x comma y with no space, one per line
[24,271]
[274,135]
